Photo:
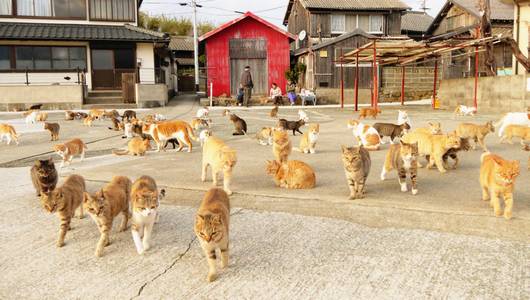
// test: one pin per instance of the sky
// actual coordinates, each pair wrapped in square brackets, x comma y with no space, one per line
[221,11]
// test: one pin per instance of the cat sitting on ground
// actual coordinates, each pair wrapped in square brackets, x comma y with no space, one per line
[403,157]
[497,177]
[240,126]
[212,228]
[357,163]
[281,145]
[106,204]
[69,115]
[128,115]
[64,200]
[274,112]
[308,141]
[96,114]
[291,125]
[31,117]
[53,128]
[80,115]
[136,146]
[293,174]
[219,157]
[68,150]
[145,200]
[41,117]
[365,135]
[9,133]
[264,136]
[44,176]
[117,125]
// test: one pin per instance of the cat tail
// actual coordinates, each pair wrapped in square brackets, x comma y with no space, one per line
[13,133]
[191,133]
[120,152]
[483,156]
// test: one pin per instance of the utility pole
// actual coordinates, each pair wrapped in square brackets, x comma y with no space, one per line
[195,45]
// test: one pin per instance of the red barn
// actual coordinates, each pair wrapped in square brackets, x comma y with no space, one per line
[247,40]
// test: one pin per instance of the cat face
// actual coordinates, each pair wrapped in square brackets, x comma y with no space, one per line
[453,141]
[352,124]
[272,167]
[402,114]
[435,127]
[60,149]
[209,228]
[94,204]
[314,128]
[409,152]
[506,171]
[44,167]
[351,155]
[145,202]
[51,200]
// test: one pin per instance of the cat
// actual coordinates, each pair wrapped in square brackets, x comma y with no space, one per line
[274,111]
[117,125]
[434,145]
[70,149]
[513,118]
[369,112]
[54,129]
[240,126]
[391,130]
[293,174]
[41,117]
[281,145]
[365,134]
[462,110]
[291,125]
[112,114]
[136,146]
[212,228]
[199,123]
[264,136]
[9,133]
[96,114]
[80,115]
[204,135]
[106,204]
[35,107]
[128,130]
[403,157]
[128,115]
[202,112]
[434,128]
[220,157]
[527,148]
[453,154]
[64,200]
[69,115]
[31,117]
[476,132]
[160,118]
[302,115]
[357,164]
[163,131]
[308,141]
[519,131]
[497,177]
[44,176]
[145,200]
[403,117]
[88,121]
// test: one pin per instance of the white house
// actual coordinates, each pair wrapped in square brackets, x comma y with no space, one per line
[69,53]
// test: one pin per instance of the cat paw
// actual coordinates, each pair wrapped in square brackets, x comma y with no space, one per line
[352,197]
[211,277]
[498,213]
[414,191]
[404,187]
[59,244]
[228,192]
[146,246]
[507,215]
[140,251]
[98,253]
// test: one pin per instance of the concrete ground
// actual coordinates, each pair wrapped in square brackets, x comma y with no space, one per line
[442,243]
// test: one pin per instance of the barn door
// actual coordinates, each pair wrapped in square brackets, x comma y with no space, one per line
[253,53]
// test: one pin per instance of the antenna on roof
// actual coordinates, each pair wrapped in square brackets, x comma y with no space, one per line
[423,6]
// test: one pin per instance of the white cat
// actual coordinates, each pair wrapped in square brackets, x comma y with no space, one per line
[204,135]
[203,113]
[31,118]
[128,130]
[159,117]
[302,115]
[403,117]
[143,222]
[366,135]
[513,118]
[462,110]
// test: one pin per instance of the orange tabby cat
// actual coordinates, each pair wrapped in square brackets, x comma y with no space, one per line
[217,155]
[88,121]
[8,132]
[519,131]
[281,145]
[163,131]
[497,177]
[69,149]
[42,117]
[369,112]
[309,139]
[136,146]
[96,114]
[212,228]
[293,174]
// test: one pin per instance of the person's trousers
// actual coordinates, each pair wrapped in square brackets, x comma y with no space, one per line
[247,94]
[278,100]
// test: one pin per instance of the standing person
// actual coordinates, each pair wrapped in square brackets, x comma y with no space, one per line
[246,82]
[275,94]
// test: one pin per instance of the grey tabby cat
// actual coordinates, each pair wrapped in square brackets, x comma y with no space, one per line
[404,158]
[357,164]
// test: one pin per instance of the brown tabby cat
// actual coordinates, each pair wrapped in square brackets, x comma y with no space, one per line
[65,200]
[136,146]
[106,204]
[281,145]
[357,165]
[212,228]
[404,158]
[53,128]
[145,202]
[240,126]
[274,111]
[497,177]
[293,174]
[391,130]
[44,176]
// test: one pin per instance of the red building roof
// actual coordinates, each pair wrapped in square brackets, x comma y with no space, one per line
[248,14]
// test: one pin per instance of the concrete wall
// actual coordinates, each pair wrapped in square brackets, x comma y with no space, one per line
[53,97]
[495,94]
[523,35]
[146,55]
[151,95]
[332,96]
[418,83]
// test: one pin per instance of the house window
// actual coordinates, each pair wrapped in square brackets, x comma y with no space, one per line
[52,8]
[376,24]
[5,58]
[6,7]
[42,58]
[112,10]
[338,23]
[363,22]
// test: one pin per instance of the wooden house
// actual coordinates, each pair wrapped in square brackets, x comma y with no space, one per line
[246,41]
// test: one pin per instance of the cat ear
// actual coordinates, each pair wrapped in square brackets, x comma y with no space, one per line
[85,197]
[199,218]
[37,163]
[344,148]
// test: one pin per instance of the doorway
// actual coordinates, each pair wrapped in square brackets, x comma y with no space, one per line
[108,65]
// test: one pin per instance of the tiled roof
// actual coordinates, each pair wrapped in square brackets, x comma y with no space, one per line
[499,10]
[77,32]
[181,43]
[415,21]
[354,4]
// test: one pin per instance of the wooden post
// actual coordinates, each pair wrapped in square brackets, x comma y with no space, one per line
[475,103]
[435,81]
[341,81]
[374,79]
[357,82]
[403,85]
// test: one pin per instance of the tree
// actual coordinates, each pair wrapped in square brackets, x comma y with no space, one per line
[486,31]
[171,25]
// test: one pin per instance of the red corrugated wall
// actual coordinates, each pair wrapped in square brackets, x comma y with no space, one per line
[218,60]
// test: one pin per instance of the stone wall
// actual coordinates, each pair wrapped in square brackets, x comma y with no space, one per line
[495,94]
[332,96]
[151,95]
[51,96]
[418,83]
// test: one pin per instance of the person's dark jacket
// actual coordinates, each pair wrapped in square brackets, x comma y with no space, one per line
[246,79]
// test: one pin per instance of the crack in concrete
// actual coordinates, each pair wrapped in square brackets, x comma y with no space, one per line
[179,257]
